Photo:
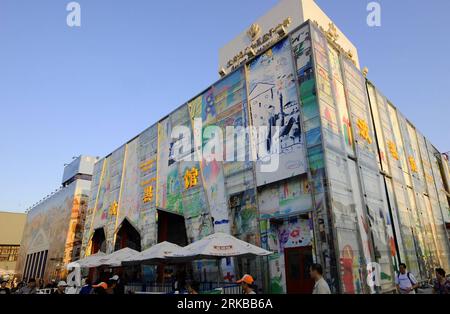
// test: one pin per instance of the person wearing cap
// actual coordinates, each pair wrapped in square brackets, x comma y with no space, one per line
[61,288]
[247,284]
[3,288]
[113,285]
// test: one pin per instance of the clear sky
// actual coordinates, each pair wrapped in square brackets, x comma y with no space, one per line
[69,91]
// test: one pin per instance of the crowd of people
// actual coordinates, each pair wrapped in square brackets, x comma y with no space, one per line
[405,281]
[33,286]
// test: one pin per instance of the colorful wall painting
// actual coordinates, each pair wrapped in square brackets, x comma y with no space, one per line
[285,198]
[92,203]
[169,183]
[164,140]
[54,225]
[129,205]
[193,194]
[245,216]
[112,206]
[101,210]
[290,233]
[212,171]
[326,117]
[147,196]
[274,103]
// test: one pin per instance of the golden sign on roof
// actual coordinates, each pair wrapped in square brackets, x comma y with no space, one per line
[332,32]
[254,31]
[259,43]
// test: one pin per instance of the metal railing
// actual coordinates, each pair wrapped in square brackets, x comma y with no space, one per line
[166,288]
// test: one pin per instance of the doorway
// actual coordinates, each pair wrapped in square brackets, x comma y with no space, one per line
[127,236]
[297,263]
[171,228]
[98,241]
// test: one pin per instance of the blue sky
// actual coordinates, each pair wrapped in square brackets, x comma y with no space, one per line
[65,91]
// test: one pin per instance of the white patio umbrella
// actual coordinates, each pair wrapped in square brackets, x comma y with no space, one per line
[216,246]
[115,259]
[154,255]
[89,261]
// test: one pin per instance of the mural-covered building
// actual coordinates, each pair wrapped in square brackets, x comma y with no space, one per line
[54,226]
[11,228]
[357,188]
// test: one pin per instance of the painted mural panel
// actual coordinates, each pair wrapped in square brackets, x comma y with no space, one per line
[111,207]
[129,205]
[169,184]
[286,198]
[291,233]
[212,170]
[340,100]
[374,195]
[274,103]
[243,211]
[223,96]
[93,196]
[101,210]
[52,225]
[193,196]
[351,270]
[147,157]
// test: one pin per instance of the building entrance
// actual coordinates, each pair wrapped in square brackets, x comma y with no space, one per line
[297,263]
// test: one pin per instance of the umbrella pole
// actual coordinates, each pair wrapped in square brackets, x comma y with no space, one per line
[219,260]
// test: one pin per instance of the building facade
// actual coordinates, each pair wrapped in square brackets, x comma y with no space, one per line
[357,188]
[11,229]
[53,230]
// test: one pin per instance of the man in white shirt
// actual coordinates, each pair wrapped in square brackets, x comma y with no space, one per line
[321,286]
[405,281]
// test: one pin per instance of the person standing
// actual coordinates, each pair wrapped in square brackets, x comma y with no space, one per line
[320,286]
[247,284]
[3,288]
[441,283]
[112,285]
[193,287]
[87,287]
[405,281]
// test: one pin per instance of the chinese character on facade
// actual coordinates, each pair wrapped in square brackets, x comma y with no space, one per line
[393,150]
[113,208]
[148,194]
[364,130]
[191,178]
[413,164]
